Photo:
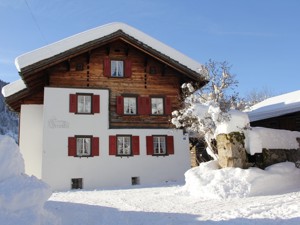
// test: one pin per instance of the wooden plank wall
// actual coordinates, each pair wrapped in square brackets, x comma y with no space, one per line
[167,82]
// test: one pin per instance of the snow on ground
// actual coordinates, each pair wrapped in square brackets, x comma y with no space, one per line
[218,196]
[228,196]
[22,197]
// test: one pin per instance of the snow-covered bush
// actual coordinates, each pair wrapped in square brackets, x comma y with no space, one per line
[208,106]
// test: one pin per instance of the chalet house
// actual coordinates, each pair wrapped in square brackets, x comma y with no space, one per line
[95,109]
[278,112]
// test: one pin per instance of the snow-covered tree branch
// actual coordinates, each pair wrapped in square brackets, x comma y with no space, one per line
[205,107]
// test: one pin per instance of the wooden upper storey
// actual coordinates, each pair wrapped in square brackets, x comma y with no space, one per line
[148,73]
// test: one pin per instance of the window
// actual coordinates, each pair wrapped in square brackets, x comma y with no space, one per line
[76,183]
[135,180]
[124,145]
[129,105]
[84,104]
[117,68]
[81,103]
[157,106]
[83,146]
[160,145]
[143,105]
[79,67]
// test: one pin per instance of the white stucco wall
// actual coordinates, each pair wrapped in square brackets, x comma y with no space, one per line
[100,171]
[31,136]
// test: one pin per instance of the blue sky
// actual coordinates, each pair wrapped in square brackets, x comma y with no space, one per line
[259,38]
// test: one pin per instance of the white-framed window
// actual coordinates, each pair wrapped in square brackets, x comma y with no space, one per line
[157,106]
[84,103]
[130,105]
[83,146]
[159,145]
[117,68]
[123,145]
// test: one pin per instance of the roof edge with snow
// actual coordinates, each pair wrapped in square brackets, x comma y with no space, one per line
[275,106]
[74,41]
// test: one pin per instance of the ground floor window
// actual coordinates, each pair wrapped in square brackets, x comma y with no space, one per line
[76,183]
[83,146]
[124,145]
[159,144]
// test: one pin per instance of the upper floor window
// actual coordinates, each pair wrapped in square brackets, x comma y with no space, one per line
[117,68]
[157,106]
[143,105]
[129,105]
[82,103]
[83,146]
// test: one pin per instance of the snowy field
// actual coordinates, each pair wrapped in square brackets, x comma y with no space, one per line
[170,205]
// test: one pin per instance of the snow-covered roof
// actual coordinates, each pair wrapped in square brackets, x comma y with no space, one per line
[74,41]
[96,33]
[275,106]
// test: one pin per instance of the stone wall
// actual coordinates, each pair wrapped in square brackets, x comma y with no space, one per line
[232,153]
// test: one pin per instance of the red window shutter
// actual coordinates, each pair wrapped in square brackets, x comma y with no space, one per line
[147,106]
[128,69]
[71,146]
[135,145]
[96,104]
[95,146]
[168,106]
[149,143]
[73,103]
[170,145]
[112,145]
[142,105]
[120,105]
[106,67]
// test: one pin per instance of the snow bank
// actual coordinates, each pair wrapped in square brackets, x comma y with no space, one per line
[258,138]
[207,181]
[22,197]
[238,121]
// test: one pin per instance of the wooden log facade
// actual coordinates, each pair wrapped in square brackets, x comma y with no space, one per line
[149,77]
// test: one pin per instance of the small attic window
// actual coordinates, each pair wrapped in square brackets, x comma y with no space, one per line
[152,70]
[79,67]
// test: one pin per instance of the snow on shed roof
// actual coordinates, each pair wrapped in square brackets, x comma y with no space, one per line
[275,106]
[96,33]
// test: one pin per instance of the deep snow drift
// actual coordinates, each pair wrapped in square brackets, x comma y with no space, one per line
[22,197]
[207,181]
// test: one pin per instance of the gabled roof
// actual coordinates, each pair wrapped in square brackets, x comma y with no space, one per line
[33,60]
[275,106]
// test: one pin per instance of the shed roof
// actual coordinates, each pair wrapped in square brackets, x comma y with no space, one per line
[275,106]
